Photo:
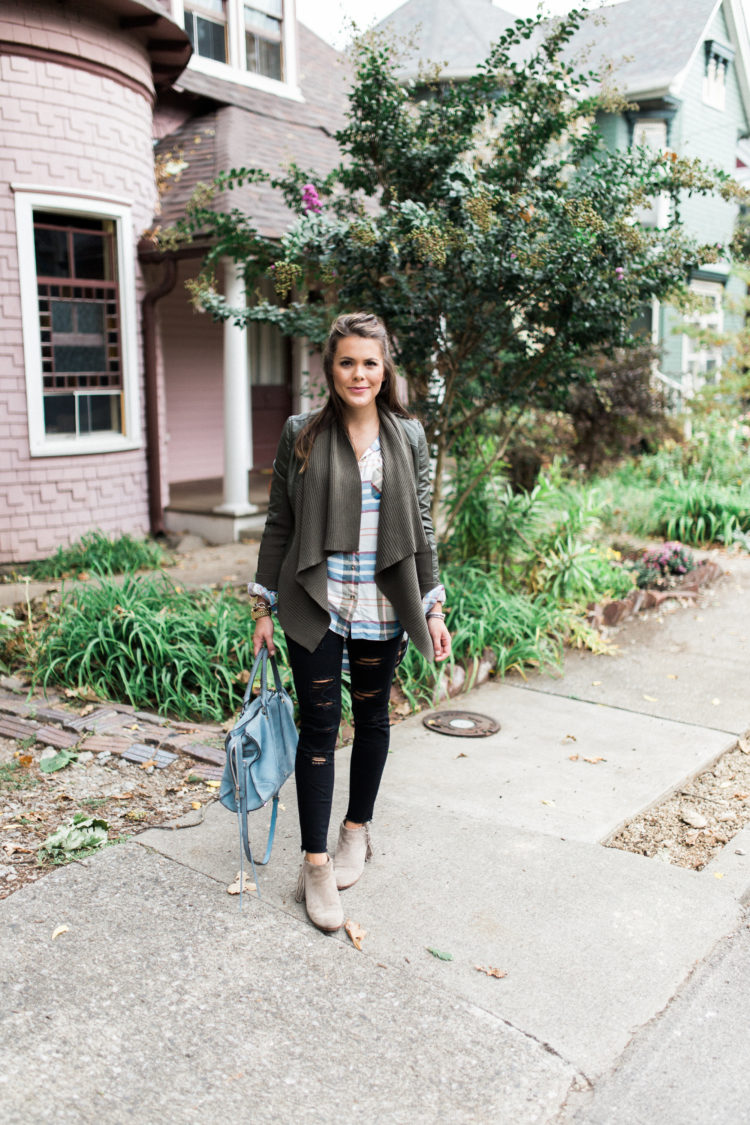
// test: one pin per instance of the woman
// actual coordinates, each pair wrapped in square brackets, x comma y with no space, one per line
[348,560]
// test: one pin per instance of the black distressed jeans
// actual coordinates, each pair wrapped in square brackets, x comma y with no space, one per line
[317,681]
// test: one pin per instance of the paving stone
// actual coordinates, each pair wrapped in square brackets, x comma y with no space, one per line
[17,728]
[140,752]
[150,717]
[15,706]
[207,773]
[54,715]
[53,736]
[113,743]
[100,719]
[206,753]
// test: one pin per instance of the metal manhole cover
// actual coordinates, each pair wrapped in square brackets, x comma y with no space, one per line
[461,724]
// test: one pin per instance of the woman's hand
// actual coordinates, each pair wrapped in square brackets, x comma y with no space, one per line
[441,638]
[263,635]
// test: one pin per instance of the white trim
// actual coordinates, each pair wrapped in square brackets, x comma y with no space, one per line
[72,193]
[67,203]
[227,73]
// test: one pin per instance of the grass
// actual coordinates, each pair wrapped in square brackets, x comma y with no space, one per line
[97,553]
[150,643]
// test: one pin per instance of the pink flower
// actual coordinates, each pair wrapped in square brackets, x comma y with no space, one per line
[619,273]
[310,198]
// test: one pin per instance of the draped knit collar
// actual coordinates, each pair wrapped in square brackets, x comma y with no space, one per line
[329,499]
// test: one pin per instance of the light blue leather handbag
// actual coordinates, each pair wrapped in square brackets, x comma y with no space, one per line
[261,750]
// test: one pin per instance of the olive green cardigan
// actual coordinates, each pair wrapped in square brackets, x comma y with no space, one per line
[314,514]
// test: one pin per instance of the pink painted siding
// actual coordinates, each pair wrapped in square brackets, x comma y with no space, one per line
[192,346]
[65,128]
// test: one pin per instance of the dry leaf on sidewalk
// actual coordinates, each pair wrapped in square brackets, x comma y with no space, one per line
[595,760]
[355,932]
[59,930]
[234,888]
[490,972]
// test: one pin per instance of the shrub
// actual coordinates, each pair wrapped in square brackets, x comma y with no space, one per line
[97,553]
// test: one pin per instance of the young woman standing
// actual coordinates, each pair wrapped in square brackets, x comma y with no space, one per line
[348,562]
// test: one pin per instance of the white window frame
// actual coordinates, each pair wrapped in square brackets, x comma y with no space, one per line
[29,199]
[651,132]
[234,70]
[695,356]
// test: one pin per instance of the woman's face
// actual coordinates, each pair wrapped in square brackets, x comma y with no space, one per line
[358,371]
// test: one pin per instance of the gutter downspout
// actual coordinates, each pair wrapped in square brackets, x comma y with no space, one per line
[153,447]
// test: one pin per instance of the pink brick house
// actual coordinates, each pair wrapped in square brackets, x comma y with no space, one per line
[120,406]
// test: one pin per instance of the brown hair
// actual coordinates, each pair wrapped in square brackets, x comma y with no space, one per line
[369,327]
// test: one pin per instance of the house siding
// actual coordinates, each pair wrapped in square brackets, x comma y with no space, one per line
[703,132]
[67,129]
[194,385]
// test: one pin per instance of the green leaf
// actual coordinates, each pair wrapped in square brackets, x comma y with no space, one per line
[62,759]
[79,834]
[439,954]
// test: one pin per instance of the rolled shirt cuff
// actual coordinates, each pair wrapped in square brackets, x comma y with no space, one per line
[434,596]
[257,590]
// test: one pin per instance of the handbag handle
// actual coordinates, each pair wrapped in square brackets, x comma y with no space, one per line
[261,660]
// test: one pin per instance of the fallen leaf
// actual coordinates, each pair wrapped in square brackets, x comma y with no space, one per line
[744,745]
[59,930]
[122,796]
[546,802]
[671,676]
[146,765]
[651,698]
[282,807]
[355,932]
[213,784]
[86,710]
[134,727]
[490,972]
[234,888]
[594,683]
[742,796]
[195,805]
[462,755]
[243,677]
[10,846]
[570,738]
[25,760]
[440,955]
[595,760]
[573,757]
[718,874]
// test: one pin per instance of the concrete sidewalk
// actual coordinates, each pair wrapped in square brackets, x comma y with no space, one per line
[161,999]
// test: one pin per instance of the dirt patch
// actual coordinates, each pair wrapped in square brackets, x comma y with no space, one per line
[689,827]
[98,781]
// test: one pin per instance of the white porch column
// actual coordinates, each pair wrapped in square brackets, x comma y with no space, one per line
[238,457]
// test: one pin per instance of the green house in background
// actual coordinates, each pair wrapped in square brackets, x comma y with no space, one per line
[686,67]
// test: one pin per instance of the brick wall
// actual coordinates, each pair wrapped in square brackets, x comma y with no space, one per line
[66,129]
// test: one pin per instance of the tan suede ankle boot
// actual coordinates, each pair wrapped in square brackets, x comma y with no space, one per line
[316,886]
[352,853]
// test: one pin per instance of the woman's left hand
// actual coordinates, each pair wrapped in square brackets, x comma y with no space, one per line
[441,638]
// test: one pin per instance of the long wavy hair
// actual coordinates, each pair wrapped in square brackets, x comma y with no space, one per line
[369,327]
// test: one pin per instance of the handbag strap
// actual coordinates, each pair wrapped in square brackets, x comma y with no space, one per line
[246,850]
[261,661]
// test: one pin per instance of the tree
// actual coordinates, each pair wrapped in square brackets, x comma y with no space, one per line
[484,221]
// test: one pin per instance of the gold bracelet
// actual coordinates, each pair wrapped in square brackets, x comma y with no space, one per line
[260,610]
